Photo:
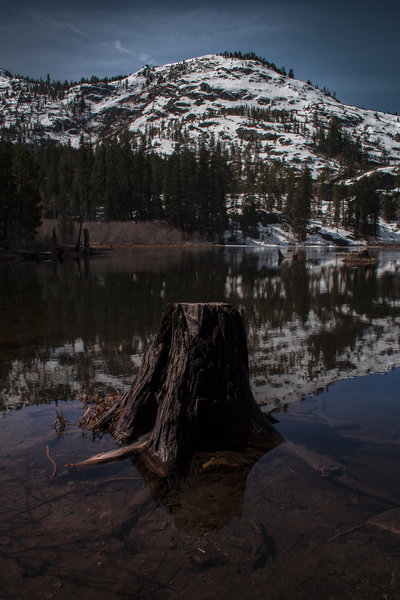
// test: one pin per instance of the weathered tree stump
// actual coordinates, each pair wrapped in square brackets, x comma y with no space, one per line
[192,392]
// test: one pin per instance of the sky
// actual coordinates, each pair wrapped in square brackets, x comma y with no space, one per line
[351,47]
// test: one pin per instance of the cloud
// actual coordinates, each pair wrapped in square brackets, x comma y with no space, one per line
[118,46]
[70,27]
[58,24]
[64,25]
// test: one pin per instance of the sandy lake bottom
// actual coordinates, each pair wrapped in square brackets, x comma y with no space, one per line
[299,526]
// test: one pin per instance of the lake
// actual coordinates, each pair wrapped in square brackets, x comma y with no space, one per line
[317,517]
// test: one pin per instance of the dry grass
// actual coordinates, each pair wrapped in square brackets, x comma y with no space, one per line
[96,406]
[118,233]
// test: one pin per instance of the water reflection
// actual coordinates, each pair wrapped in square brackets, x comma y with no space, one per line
[211,493]
[68,328]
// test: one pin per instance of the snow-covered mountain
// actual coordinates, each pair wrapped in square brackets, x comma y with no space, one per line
[236,101]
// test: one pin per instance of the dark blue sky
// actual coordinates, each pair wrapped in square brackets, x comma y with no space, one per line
[351,47]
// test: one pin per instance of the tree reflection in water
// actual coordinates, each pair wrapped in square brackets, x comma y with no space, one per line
[67,328]
[99,534]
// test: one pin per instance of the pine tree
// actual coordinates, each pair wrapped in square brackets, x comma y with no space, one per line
[250,218]
[204,194]
[84,207]
[388,207]
[338,198]
[219,184]
[189,190]
[140,205]
[158,170]
[63,203]
[290,186]
[114,202]
[300,212]
[27,208]
[7,193]
[365,207]
[334,138]
[98,180]
[173,189]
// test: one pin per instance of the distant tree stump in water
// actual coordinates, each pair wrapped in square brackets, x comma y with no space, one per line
[192,392]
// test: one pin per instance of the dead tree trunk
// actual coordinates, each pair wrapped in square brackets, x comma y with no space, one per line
[192,392]
[86,243]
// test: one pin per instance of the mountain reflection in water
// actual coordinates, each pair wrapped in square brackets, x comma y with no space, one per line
[69,328]
[316,517]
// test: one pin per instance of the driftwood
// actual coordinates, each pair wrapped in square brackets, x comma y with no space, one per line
[388,520]
[105,457]
[330,468]
[326,467]
[53,463]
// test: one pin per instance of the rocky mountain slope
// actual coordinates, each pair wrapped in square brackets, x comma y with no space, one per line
[241,102]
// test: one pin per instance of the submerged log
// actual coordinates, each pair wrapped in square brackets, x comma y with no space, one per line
[192,392]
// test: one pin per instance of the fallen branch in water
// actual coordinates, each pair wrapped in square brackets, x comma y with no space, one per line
[326,467]
[105,457]
[388,520]
[330,468]
[345,532]
[52,462]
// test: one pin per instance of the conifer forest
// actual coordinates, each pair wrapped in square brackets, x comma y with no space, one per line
[209,191]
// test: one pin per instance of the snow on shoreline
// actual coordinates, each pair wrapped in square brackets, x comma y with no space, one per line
[324,235]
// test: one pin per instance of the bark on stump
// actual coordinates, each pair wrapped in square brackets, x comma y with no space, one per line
[192,392]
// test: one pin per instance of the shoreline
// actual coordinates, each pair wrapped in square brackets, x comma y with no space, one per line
[31,255]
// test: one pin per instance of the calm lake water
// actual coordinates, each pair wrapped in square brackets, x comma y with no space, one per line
[317,517]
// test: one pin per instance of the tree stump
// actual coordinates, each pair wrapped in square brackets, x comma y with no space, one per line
[192,392]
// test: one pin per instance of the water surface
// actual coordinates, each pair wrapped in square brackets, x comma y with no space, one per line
[287,529]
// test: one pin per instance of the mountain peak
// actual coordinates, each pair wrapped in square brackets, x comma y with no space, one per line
[239,100]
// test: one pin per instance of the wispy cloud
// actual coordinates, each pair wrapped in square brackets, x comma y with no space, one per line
[118,46]
[61,24]
[48,20]
[70,27]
